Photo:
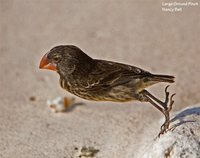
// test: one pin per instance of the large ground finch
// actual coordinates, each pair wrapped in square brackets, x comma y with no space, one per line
[102,80]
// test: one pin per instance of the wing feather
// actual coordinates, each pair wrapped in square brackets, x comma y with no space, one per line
[107,74]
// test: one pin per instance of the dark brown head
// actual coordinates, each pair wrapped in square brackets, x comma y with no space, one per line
[65,59]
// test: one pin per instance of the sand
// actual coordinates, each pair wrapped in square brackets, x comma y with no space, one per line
[133,32]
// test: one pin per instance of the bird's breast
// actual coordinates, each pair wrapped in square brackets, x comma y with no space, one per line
[65,84]
[76,89]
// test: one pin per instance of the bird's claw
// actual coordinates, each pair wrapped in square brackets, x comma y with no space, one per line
[166,111]
[167,97]
[171,102]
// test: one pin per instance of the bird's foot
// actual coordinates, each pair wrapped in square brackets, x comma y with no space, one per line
[165,103]
[166,111]
[164,107]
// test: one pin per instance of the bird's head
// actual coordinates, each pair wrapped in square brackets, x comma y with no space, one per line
[65,59]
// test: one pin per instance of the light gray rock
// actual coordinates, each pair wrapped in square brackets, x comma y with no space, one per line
[183,141]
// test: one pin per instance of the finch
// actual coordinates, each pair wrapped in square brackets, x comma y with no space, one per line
[102,80]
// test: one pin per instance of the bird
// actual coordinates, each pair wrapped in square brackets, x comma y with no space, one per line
[103,80]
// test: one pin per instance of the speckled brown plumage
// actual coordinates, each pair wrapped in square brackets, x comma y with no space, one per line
[102,80]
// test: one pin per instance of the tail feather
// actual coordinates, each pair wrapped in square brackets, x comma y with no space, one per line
[163,78]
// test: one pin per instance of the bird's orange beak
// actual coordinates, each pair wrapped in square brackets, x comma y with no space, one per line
[46,64]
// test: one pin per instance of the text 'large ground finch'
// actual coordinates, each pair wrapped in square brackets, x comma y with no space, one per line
[102,80]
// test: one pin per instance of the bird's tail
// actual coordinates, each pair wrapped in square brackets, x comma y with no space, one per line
[163,78]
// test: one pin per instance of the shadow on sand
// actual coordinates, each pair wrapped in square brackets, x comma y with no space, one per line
[72,107]
[181,117]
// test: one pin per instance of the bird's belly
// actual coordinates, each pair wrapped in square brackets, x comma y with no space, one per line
[110,96]
[119,94]
[115,94]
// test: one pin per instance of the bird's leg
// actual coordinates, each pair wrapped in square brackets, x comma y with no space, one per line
[163,104]
[165,125]
[166,108]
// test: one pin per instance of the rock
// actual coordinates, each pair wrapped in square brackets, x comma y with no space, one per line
[183,140]
[60,104]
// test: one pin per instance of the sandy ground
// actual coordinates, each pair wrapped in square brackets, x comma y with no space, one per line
[133,32]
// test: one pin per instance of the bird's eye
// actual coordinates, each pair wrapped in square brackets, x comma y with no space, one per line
[56,59]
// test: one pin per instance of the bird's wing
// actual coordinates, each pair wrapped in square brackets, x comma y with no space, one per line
[109,74]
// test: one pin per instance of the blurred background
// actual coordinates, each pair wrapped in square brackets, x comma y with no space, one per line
[135,32]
